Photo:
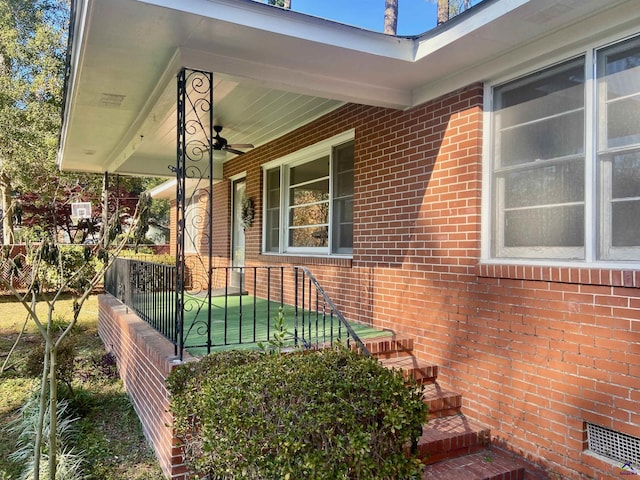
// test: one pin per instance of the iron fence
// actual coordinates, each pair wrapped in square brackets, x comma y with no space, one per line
[149,290]
[241,307]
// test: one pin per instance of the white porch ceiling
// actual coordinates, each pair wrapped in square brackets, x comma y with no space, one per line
[275,70]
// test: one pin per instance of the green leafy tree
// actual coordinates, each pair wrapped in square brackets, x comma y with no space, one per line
[448,9]
[33,37]
[32,58]
[281,3]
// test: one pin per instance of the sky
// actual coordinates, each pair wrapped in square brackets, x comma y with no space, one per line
[414,16]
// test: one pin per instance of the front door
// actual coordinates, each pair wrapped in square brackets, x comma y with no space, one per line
[238,188]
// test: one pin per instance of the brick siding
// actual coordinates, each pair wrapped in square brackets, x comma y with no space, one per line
[144,359]
[536,352]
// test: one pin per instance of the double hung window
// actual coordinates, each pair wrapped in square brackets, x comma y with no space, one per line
[566,160]
[309,201]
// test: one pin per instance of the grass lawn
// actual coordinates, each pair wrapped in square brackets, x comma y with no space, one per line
[108,431]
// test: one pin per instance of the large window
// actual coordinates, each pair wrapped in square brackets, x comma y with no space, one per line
[566,167]
[309,201]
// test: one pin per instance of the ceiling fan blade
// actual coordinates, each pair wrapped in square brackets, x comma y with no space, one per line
[240,145]
[232,150]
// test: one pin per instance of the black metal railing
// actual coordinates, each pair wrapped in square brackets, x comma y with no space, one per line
[243,306]
[149,290]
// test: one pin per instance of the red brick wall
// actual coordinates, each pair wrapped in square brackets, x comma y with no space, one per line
[144,359]
[536,352]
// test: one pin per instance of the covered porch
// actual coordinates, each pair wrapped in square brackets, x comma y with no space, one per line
[270,305]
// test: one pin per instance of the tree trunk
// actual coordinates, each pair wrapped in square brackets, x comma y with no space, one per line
[443,11]
[390,17]
[7,211]
[104,230]
[37,449]
[287,4]
[53,412]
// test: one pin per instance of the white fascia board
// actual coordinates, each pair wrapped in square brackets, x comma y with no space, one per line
[77,54]
[435,40]
[296,80]
[252,14]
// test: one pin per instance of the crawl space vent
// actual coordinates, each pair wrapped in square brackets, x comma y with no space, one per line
[615,445]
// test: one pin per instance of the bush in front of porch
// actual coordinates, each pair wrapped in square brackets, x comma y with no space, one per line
[318,415]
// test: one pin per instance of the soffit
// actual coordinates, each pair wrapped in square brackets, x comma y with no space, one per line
[274,70]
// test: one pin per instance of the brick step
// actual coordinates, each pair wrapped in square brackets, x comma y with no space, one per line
[390,346]
[452,436]
[411,367]
[441,402]
[485,465]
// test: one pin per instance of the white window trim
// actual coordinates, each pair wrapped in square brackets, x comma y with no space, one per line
[592,197]
[299,157]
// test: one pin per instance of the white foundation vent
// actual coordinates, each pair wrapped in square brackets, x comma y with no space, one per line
[615,445]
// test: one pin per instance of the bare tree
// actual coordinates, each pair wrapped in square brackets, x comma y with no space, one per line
[390,17]
[50,272]
[443,11]
[448,9]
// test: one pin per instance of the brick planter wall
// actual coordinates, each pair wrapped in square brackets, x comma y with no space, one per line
[144,359]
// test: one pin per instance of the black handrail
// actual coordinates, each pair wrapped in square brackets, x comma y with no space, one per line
[335,311]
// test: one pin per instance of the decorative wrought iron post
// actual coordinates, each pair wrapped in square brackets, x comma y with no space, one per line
[194,233]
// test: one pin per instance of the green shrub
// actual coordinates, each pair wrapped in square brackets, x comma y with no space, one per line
[333,414]
[65,365]
[78,263]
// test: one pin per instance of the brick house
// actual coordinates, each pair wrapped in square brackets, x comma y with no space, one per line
[477,188]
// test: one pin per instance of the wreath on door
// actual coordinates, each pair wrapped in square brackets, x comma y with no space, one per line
[247,211]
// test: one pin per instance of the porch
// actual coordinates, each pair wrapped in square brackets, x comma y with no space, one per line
[234,307]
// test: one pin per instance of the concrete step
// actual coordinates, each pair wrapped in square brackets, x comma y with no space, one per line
[411,367]
[487,464]
[441,402]
[452,436]
[390,346]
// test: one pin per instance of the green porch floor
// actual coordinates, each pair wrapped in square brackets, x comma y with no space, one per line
[247,321]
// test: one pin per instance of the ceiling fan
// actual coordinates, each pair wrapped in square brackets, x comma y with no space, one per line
[219,143]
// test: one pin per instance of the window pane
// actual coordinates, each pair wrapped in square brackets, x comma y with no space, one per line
[552,184]
[343,170]
[540,116]
[342,215]
[272,228]
[309,171]
[344,184]
[545,227]
[620,70]
[625,200]
[543,94]
[309,193]
[626,224]
[626,176]
[343,225]
[308,237]
[542,140]
[621,64]
[623,121]
[309,215]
